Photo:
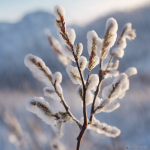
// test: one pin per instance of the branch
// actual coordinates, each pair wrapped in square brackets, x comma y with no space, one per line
[101,78]
[66,107]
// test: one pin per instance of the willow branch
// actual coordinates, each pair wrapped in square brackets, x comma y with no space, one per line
[101,78]
[67,107]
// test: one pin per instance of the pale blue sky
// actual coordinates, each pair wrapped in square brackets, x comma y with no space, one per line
[79,11]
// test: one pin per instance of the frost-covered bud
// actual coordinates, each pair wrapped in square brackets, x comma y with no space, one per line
[64,60]
[129,33]
[74,74]
[131,71]
[82,63]
[99,46]
[89,96]
[59,10]
[50,91]
[101,105]
[64,116]
[91,39]
[103,128]
[57,77]
[41,108]
[117,52]
[67,51]
[93,64]
[111,73]
[71,35]
[112,40]
[39,69]
[111,107]
[114,90]
[79,49]
[92,82]
[115,65]
[111,26]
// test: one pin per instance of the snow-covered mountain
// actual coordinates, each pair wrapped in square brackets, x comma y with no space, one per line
[27,36]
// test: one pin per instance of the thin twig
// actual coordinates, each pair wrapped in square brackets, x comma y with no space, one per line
[66,107]
[101,78]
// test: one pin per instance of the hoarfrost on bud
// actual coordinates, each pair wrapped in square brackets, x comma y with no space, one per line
[117,52]
[131,71]
[38,69]
[49,91]
[94,63]
[74,74]
[129,33]
[99,46]
[67,51]
[92,82]
[111,26]
[115,65]
[103,128]
[112,40]
[71,35]
[111,107]
[59,10]
[57,77]
[82,63]
[114,90]
[40,107]
[101,104]
[79,49]
[111,73]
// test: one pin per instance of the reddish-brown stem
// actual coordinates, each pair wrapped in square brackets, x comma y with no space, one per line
[101,78]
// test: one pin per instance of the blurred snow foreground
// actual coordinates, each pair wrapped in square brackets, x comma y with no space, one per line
[87,91]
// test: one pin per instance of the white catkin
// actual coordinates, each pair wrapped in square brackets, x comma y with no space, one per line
[49,119]
[122,44]
[61,10]
[79,52]
[103,128]
[67,51]
[111,25]
[93,81]
[95,62]
[71,35]
[131,71]
[111,107]
[129,32]
[111,73]
[74,74]
[117,52]
[115,65]
[113,91]
[38,73]
[101,104]
[90,36]
[49,91]
[82,63]
[89,96]
[57,77]
[64,60]
[112,40]
[99,46]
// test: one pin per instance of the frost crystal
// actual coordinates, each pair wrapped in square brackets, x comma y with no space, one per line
[71,34]
[79,49]
[103,128]
[39,69]
[82,63]
[57,77]
[114,90]
[59,10]
[41,108]
[92,82]
[131,71]
[111,26]
[74,74]
[49,91]
[117,52]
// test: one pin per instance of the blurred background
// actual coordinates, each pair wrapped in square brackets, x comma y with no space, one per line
[22,24]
